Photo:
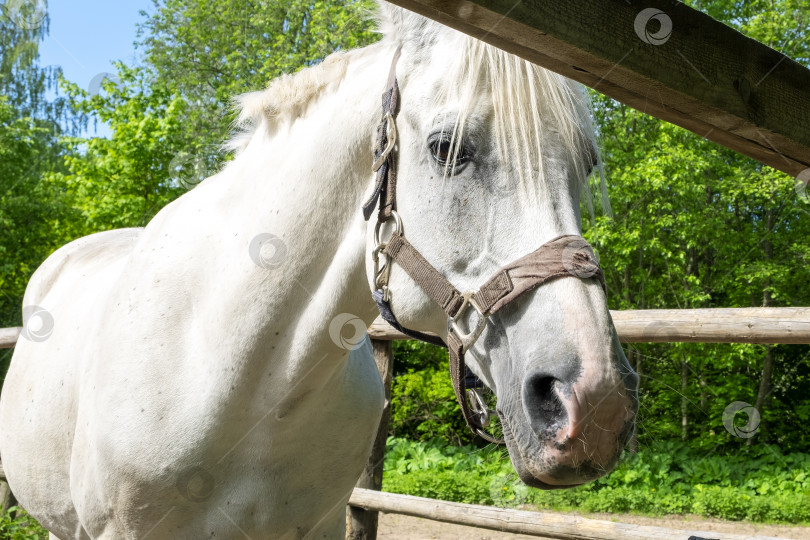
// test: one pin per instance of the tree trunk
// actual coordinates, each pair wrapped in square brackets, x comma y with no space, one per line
[635,362]
[684,400]
[764,387]
[767,362]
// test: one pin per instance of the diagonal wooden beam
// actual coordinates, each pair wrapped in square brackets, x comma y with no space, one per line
[660,57]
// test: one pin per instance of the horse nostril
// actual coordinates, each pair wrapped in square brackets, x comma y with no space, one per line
[542,404]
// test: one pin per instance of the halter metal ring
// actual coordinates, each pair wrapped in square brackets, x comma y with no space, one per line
[397,229]
[469,338]
[483,414]
[391,136]
[487,437]
[478,407]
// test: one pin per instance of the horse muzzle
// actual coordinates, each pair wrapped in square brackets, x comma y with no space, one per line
[566,430]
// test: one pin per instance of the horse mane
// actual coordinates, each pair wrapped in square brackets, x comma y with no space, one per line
[285,99]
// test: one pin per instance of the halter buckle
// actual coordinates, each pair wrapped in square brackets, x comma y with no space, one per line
[391,140]
[469,338]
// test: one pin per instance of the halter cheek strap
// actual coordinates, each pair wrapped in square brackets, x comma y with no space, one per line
[565,256]
[385,187]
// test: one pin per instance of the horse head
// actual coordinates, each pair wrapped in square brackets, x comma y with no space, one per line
[492,156]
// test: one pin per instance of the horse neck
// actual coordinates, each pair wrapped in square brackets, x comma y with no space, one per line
[309,179]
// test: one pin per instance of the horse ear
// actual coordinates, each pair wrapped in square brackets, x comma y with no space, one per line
[406,27]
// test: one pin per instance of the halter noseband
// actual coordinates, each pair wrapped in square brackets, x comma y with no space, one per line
[565,256]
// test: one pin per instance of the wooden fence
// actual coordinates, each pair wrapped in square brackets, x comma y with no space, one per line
[716,325]
[710,325]
[734,325]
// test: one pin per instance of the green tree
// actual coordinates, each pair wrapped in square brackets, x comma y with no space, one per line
[124,180]
[209,52]
[697,225]
[30,126]
[170,117]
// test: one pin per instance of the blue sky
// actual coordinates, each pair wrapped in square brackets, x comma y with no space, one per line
[86,36]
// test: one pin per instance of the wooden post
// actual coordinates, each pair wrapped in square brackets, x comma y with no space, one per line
[362,524]
[7,499]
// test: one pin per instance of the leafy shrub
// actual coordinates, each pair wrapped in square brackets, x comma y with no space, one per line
[16,524]
[759,484]
[424,407]
[721,502]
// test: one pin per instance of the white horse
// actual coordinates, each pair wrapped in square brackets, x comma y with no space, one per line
[197,381]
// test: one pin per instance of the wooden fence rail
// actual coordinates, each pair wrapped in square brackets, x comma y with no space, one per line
[710,325]
[542,524]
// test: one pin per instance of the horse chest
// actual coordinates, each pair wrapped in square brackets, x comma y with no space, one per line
[260,457]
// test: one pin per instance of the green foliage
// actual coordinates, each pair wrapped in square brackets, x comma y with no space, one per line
[440,471]
[698,226]
[424,407]
[16,524]
[30,125]
[209,52]
[125,180]
[415,355]
[758,484]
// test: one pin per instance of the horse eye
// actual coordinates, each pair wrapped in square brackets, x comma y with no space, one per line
[443,151]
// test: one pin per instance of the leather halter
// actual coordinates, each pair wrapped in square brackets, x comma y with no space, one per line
[565,256]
